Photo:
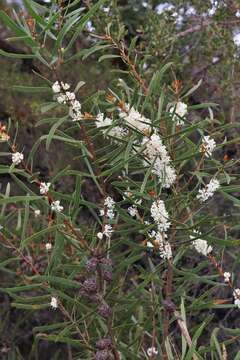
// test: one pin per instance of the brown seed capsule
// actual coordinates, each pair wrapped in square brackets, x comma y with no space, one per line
[91,264]
[103,343]
[104,310]
[107,275]
[108,262]
[90,285]
[102,355]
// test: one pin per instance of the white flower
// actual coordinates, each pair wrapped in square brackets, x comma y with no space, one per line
[70,96]
[215,59]
[118,132]
[134,119]
[75,110]
[200,245]
[164,246]
[156,154]
[37,213]
[133,211]
[109,203]
[48,246]
[165,172]
[191,11]
[76,115]
[54,303]
[101,212]
[236,294]
[237,14]
[101,121]
[154,147]
[110,214]
[76,105]
[56,88]
[65,86]
[90,27]
[236,37]
[227,276]
[237,302]
[207,146]
[149,245]
[179,110]
[208,191]
[62,99]
[44,187]
[17,158]
[152,351]
[108,230]
[165,250]
[106,9]
[164,7]
[100,235]
[160,215]
[55,206]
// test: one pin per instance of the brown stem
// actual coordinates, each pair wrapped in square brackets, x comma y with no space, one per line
[110,332]
[125,57]
[166,316]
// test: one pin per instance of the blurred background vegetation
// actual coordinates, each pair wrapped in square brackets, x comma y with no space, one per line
[200,38]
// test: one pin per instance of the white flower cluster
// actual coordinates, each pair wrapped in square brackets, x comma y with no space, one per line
[156,153]
[149,245]
[236,295]
[208,191]
[48,246]
[103,123]
[54,303]
[108,230]
[165,250]
[17,158]
[134,119]
[179,110]
[109,205]
[207,146]
[59,87]
[133,210]
[37,213]
[44,188]
[227,276]
[159,240]
[108,211]
[67,97]
[200,245]
[55,206]
[236,38]
[152,351]
[160,216]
